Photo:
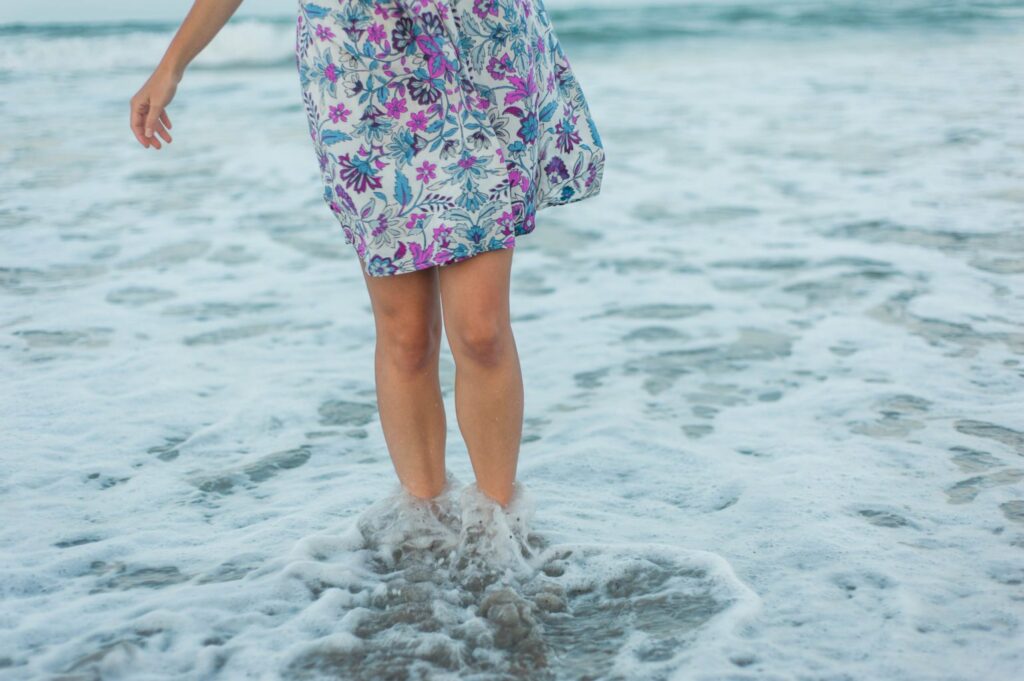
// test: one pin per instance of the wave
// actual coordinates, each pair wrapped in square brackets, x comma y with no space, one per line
[253,43]
[71,48]
[781,19]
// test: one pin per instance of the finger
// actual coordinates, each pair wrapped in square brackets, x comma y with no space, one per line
[165,119]
[138,117]
[151,119]
[139,123]
[160,130]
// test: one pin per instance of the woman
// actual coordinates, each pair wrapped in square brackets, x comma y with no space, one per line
[441,128]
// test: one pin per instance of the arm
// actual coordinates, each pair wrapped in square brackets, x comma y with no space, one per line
[148,114]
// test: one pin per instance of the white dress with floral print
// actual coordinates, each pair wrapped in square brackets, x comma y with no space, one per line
[442,127]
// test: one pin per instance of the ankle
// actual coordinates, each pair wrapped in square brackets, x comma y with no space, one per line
[425,490]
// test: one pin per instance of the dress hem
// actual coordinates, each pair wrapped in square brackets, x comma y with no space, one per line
[502,245]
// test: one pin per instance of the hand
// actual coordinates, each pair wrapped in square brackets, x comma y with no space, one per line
[149,120]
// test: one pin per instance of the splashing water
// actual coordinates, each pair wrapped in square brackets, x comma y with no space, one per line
[459,587]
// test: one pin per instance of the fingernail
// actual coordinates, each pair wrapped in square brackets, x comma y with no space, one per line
[149,133]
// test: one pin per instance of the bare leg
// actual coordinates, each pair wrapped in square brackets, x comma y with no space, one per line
[407,317]
[488,377]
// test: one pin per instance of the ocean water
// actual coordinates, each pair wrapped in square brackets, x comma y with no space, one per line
[774,414]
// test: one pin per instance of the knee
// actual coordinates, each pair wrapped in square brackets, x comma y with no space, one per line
[409,348]
[482,342]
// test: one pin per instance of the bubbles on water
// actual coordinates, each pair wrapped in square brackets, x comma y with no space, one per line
[460,587]
[494,542]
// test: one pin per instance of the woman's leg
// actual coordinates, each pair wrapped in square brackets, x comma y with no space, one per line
[488,378]
[407,317]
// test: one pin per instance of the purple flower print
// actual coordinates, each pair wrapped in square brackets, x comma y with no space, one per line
[431,21]
[442,256]
[357,174]
[482,8]
[381,266]
[505,220]
[416,221]
[426,172]
[396,107]
[438,65]
[417,121]
[377,34]
[338,113]
[344,197]
[500,67]
[521,88]
[467,166]
[443,243]
[529,128]
[382,225]
[480,103]
[421,257]
[404,33]
[441,232]
[556,170]
[424,91]
[424,109]
[529,222]
[516,178]
[567,135]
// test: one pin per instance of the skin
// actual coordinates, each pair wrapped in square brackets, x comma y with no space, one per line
[469,300]
[148,119]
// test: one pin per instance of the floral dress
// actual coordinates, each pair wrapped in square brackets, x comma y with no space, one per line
[441,126]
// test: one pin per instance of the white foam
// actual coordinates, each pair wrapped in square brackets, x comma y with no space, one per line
[240,44]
